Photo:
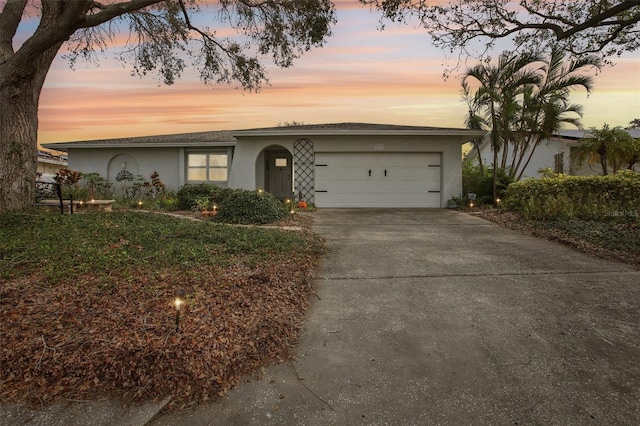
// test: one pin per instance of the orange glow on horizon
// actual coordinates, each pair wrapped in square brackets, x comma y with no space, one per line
[393,77]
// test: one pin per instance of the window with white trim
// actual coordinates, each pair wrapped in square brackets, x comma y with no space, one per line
[207,166]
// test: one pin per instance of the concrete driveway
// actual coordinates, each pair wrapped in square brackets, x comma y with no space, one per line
[437,317]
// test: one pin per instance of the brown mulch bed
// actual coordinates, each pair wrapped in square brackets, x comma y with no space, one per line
[85,340]
[515,222]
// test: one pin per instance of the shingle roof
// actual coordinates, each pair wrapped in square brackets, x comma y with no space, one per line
[216,138]
[356,129]
[228,138]
[329,127]
[579,134]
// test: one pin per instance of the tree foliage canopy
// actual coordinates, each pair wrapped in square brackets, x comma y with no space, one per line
[603,27]
[161,36]
[609,146]
[524,99]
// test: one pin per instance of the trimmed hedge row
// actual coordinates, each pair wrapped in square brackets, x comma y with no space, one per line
[200,196]
[236,206]
[250,207]
[559,196]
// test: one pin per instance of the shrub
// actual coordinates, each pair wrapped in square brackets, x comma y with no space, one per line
[168,202]
[190,195]
[250,207]
[69,181]
[97,186]
[480,182]
[559,196]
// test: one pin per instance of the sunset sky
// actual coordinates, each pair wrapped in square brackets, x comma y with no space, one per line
[361,75]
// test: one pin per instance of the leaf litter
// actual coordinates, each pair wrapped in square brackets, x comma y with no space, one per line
[89,338]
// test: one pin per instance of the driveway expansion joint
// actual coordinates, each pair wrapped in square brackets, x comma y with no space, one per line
[505,274]
[304,385]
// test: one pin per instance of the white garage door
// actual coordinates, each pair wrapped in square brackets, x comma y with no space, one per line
[377,180]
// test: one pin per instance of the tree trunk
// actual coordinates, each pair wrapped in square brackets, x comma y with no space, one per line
[603,163]
[505,153]
[533,148]
[494,187]
[477,143]
[19,96]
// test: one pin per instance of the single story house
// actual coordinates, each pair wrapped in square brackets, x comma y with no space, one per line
[330,165]
[556,153]
[50,163]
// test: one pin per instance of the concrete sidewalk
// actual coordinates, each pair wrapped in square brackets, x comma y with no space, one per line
[438,317]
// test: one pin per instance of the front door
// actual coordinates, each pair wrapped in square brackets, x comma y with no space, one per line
[279,171]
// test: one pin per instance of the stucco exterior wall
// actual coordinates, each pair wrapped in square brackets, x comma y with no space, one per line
[168,162]
[543,157]
[246,171]
[50,169]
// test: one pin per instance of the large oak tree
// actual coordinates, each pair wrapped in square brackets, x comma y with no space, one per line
[601,27]
[162,39]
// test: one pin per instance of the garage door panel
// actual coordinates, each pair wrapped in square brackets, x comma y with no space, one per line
[359,180]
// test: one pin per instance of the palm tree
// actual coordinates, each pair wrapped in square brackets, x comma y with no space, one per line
[523,100]
[546,107]
[474,120]
[632,154]
[606,144]
[494,99]
[634,124]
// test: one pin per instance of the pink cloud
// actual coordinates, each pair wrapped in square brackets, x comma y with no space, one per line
[361,74]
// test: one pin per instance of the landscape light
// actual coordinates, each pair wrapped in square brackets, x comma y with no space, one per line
[178,301]
[260,190]
[139,203]
[471,204]
[498,200]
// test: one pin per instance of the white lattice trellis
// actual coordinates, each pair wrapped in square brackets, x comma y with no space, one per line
[303,163]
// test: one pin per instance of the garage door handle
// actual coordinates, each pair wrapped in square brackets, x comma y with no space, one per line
[369,172]
[385,172]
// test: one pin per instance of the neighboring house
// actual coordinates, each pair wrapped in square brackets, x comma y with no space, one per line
[557,153]
[331,165]
[50,163]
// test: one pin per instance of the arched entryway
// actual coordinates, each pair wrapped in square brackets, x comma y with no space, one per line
[277,164]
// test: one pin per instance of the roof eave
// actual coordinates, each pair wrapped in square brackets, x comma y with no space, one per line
[359,132]
[79,145]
